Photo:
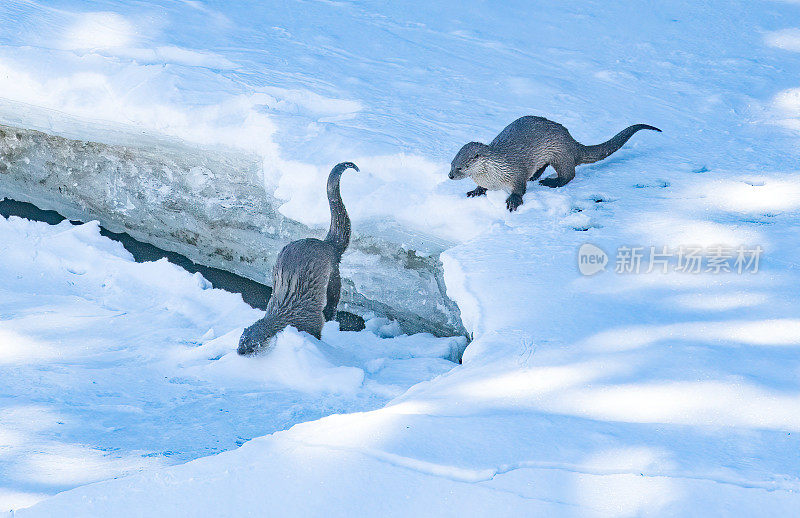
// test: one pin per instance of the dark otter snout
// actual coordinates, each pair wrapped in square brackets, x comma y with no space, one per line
[455,174]
[256,338]
[247,345]
[245,350]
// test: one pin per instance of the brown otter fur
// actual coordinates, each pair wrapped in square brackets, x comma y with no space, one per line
[306,282]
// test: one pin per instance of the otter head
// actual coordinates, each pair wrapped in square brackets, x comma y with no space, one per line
[259,337]
[468,160]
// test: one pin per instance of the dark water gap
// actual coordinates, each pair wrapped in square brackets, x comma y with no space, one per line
[253,293]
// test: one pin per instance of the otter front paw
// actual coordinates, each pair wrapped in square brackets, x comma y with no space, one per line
[553,182]
[478,191]
[513,201]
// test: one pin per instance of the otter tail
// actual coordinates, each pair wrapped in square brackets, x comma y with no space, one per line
[591,154]
[339,233]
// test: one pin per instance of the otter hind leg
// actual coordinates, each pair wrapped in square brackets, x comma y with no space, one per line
[477,191]
[535,176]
[566,172]
[334,292]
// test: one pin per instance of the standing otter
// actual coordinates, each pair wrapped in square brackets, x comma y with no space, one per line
[306,282]
[522,152]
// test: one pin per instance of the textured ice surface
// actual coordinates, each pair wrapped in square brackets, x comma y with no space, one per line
[212,206]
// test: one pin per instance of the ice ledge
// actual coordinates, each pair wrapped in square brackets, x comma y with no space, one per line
[211,206]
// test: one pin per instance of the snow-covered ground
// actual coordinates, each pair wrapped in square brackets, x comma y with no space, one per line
[111,366]
[613,394]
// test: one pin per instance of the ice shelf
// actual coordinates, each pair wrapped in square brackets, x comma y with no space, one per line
[211,206]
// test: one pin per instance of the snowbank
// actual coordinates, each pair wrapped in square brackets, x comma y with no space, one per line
[110,366]
[211,206]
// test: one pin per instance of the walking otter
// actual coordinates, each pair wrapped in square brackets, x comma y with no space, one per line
[306,282]
[523,150]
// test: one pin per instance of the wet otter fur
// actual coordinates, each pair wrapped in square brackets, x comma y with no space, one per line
[306,282]
[523,150]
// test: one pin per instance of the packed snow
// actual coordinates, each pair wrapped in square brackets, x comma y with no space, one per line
[111,366]
[615,394]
